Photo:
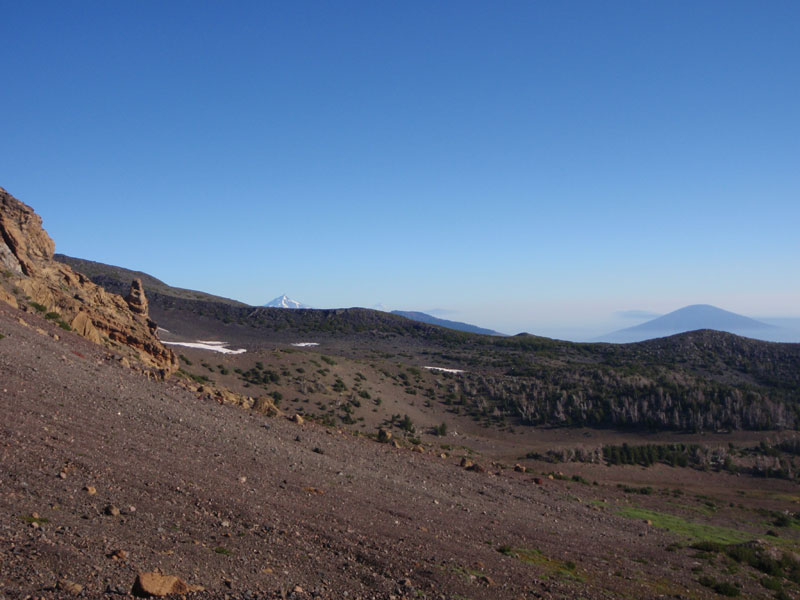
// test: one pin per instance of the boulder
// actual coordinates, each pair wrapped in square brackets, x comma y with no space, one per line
[152,584]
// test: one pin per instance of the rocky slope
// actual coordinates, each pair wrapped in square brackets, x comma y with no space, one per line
[107,475]
[33,281]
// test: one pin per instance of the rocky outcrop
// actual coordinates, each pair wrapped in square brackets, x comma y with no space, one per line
[136,299]
[32,280]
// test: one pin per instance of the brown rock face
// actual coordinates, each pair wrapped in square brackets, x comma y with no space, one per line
[29,275]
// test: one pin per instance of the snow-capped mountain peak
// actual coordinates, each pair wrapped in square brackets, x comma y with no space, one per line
[285,302]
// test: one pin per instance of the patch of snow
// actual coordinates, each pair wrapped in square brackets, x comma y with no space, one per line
[305,344]
[164,330]
[213,346]
[444,370]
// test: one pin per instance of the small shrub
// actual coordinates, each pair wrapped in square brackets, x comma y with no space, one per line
[723,588]
[771,584]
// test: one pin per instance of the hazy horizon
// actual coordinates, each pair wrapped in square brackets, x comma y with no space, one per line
[551,168]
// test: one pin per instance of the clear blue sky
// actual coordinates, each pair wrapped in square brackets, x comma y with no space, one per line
[526,165]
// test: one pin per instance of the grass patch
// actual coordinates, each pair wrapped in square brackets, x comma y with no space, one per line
[533,556]
[32,519]
[694,532]
[222,550]
[465,572]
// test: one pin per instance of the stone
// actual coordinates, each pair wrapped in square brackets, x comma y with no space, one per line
[70,587]
[384,435]
[520,469]
[418,448]
[298,419]
[91,490]
[155,584]
[111,510]
[120,555]
[466,463]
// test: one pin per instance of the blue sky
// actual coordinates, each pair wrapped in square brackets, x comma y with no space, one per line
[532,166]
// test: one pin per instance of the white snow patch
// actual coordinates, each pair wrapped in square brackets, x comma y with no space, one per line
[444,370]
[208,345]
[305,344]
[164,330]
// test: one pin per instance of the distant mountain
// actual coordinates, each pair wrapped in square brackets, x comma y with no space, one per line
[285,302]
[694,317]
[457,325]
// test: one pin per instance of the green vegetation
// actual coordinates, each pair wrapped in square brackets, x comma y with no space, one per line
[759,557]
[723,588]
[52,316]
[258,375]
[34,519]
[405,423]
[645,491]
[690,530]
[679,455]
[196,378]
[38,307]
[534,556]
[222,550]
